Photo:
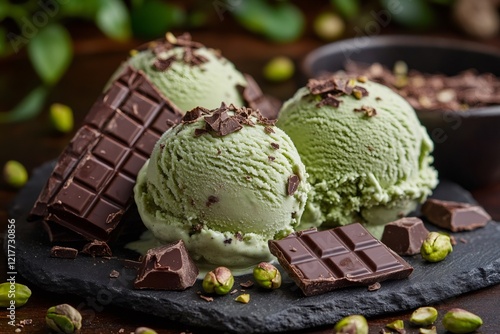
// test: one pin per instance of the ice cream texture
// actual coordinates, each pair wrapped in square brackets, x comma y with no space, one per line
[225,181]
[368,157]
[188,73]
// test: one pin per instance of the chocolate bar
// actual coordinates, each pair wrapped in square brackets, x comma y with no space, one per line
[92,183]
[455,216]
[321,261]
[167,267]
[405,236]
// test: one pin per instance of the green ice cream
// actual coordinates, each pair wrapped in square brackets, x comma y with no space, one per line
[225,191]
[367,155]
[188,73]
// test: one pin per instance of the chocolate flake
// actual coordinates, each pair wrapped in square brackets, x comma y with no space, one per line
[359,92]
[114,274]
[97,248]
[329,100]
[63,252]
[207,298]
[228,241]
[271,158]
[162,65]
[293,184]
[374,287]
[247,284]
[276,146]
[238,236]
[212,200]
[269,130]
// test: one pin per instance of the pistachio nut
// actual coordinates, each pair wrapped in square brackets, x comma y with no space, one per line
[14,294]
[219,281]
[61,117]
[424,316]
[243,298]
[460,321]
[329,26]
[436,247]
[63,319]
[267,276]
[15,173]
[280,68]
[353,324]
[396,325]
[432,330]
[144,330]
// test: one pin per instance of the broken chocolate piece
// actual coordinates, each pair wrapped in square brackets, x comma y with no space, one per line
[63,252]
[92,183]
[167,267]
[97,248]
[405,235]
[331,259]
[293,184]
[455,216]
[254,97]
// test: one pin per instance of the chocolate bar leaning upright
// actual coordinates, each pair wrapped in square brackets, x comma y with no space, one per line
[92,183]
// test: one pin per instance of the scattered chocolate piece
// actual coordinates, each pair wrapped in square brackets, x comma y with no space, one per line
[238,236]
[374,287]
[63,252]
[212,200]
[455,216]
[207,298]
[269,130]
[268,106]
[162,65]
[167,267]
[276,146]
[92,183]
[331,87]
[293,184]
[114,274]
[97,248]
[368,111]
[340,257]
[247,284]
[271,158]
[405,236]
[329,100]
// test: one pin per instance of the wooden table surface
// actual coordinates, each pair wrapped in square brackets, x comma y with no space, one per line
[32,143]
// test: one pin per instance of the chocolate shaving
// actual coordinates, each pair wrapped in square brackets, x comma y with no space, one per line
[212,200]
[359,92]
[329,100]
[206,298]
[97,248]
[193,115]
[276,146]
[374,287]
[271,158]
[269,130]
[247,284]
[162,65]
[293,184]
[238,236]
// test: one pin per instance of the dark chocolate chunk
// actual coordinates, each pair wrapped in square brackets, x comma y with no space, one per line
[254,97]
[167,267]
[92,183]
[405,235]
[329,100]
[97,248]
[293,184]
[455,216]
[331,259]
[162,65]
[63,252]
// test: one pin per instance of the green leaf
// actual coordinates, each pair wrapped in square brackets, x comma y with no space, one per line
[113,19]
[282,22]
[154,18]
[27,108]
[50,52]
[346,8]
[411,13]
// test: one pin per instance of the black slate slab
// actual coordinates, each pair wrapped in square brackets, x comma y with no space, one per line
[474,264]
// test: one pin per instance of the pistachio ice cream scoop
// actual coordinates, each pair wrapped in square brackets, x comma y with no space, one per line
[225,181]
[368,157]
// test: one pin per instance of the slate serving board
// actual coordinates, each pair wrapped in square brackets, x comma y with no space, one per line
[474,264]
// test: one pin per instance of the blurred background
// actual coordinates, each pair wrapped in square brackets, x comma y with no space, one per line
[56,55]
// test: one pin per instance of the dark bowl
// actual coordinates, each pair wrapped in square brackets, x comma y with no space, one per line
[467,143]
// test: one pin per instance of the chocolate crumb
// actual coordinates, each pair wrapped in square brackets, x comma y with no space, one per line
[293,184]
[114,274]
[228,241]
[293,249]
[162,65]
[271,158]
[359,92]
[212,200]
[329,100]
[269,130]
[374,287]
[238,236]
[378,98]
[247,284]
[276,146]
[367,110]
[63,252]
[206,298]
[97,248]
